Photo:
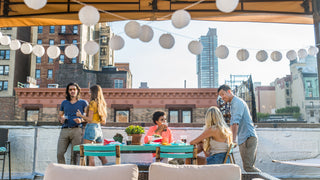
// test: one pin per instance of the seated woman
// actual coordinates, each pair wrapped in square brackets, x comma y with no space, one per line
[159,118]
[216,137]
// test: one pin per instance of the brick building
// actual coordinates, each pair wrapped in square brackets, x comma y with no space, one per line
[183,106]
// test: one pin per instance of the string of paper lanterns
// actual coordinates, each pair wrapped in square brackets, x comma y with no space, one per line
[222,52]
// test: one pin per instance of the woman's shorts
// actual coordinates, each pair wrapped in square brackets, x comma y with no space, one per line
[93,132]
[217,158]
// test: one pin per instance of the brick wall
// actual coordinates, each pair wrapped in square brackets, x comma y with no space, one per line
[7,105]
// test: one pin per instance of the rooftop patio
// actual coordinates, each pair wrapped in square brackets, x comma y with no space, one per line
[30,159]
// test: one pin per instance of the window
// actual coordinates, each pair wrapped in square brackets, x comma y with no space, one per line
[75,42]
[40,29]
[75,29]
[103,51]
[311,113]
[5,54]
[3,85]
[62,43]
[51,42]
[118,83]
[50,60]
[63,29]
[174,116]
[186,116]
[62,58]
[6,28]
[32,115]
[51,29]
[38,60]
[49,73]
[37,75]
[287,92]
[74,60]
[122,115]
[309,85]
[104,40]
[180,115]
[310,94]
[4,70]
[39,41]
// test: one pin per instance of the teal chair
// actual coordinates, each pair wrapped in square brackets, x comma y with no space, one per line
[98,150]
[177,152]
[230,154]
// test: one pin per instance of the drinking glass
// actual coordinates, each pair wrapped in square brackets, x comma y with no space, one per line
[165,123]
[183,138]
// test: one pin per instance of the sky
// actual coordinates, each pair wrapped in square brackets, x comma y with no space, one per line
[169,68]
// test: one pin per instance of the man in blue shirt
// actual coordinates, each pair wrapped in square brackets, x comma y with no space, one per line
[242,125]
[71,130]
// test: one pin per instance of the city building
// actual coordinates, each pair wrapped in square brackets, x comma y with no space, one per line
[283,93]
[305,88]
[43,69]
[207,62]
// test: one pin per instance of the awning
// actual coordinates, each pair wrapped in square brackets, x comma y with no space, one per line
[303,162]
[63,12]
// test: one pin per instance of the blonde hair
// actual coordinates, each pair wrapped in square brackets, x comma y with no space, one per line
[97,96]
[214,119]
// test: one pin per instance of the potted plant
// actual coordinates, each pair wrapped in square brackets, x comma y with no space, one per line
[136,133]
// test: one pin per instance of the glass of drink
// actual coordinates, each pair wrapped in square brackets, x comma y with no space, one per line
[183,138]
[150,139]
[165,123]
[129,140]
[65,118]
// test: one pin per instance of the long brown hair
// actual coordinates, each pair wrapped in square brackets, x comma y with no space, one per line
[97,96]
[214,119]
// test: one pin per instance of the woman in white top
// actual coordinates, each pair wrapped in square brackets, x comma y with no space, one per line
[216,137]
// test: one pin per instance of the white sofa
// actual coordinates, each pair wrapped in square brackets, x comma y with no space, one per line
[162,171]
[69,172]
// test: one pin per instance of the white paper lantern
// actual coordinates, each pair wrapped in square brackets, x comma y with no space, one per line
[132,29]
[53,52]
[276,56]
[166,41]
[35,4]
[38,50]
[71,51]
[312,51]
[195,47]
[116,42]
[146,33]
[15,45]
[227,6]
[243,54]
[302,53]
[5,40]
[91,47]
[222,52]
[0,34]
[291,55]
[180,19]
[262,55]
[89,15]
[26,48]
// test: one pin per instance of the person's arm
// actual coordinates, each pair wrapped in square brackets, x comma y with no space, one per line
[87,118]
[61,117]
[234,129]
[207,133]
[149,133]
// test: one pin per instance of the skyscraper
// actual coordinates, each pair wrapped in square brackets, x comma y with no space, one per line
[207,62]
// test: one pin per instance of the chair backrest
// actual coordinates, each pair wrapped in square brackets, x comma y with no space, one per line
[66,172]
[160,171]
[98,150]
[3,137]
[177,152]
[230,154]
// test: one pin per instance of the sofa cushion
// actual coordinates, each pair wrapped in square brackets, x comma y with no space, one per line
[67,172]
[161,171]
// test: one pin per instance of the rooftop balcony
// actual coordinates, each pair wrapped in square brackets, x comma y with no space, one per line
[34,147]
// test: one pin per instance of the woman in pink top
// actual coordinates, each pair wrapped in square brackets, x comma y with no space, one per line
[159,118]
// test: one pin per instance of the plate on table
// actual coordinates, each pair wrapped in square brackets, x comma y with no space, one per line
[153,144]
[178,144]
